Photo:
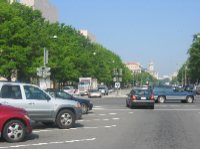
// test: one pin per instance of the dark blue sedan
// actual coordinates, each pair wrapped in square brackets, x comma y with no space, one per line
[86,105]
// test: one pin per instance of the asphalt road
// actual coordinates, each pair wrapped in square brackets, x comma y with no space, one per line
[110,125]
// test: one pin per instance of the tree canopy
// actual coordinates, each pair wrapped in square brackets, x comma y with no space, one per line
[24,35]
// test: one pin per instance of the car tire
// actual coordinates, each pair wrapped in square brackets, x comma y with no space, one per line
[84,108]
[189,99]
[14,131]
[161,99]
[65,119]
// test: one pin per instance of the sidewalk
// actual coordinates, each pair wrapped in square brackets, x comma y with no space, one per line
[118,94]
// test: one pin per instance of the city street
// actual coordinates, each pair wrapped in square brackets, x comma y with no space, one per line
[111,125]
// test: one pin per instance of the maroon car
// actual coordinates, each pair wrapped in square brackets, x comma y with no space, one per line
[14,123]
[197,90]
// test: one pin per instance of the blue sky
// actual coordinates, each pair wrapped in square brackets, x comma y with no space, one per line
[138,30]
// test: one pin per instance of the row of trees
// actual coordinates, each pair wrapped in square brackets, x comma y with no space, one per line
[190,70]
[24,34]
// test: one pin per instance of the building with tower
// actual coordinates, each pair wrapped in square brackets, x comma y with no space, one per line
[151,70]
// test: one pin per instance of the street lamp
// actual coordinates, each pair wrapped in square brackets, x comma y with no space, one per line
[44,72]
[185,75]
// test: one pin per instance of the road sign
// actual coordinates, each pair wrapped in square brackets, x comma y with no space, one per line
[117,84]
[43,72]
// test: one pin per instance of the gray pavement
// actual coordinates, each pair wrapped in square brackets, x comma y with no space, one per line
[110,125]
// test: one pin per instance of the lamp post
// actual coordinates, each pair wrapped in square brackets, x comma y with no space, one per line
[44,72]
[185,75]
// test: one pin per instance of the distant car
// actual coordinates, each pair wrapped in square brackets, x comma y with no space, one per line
[103,89]
[139,97]
[94,93]
[14,123]
[86,105]
[197,90]
[163,94]
[69,89]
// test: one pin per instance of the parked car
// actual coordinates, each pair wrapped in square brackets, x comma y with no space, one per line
[14,123]
[103,89]
[163,94]
[197,90]
[140,97]
[94,93]
[40,106]
[86,105]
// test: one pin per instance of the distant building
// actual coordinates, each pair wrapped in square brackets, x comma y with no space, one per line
[88,35]
[134,67]
[49,12]
[151,70]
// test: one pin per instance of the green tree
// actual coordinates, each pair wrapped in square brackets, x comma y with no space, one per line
[194,59]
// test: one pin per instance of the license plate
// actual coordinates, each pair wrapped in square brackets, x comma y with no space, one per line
[143,98]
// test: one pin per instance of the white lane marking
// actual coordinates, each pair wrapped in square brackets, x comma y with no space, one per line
[112,113]
[48,143]
[106,119]
[116,118]
[110,126]
[89,127]
[102,114]
[35,131]
[176,110]
[50,130]
[130,112]
[97,106]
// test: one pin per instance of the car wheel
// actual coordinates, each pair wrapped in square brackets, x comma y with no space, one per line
[161,99]
[189,99]
[14,131]
[84,108]
[65,119]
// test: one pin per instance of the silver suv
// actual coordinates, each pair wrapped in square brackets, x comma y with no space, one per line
[40,105]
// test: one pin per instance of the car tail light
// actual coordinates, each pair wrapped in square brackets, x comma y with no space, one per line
[133,97]
[152,97]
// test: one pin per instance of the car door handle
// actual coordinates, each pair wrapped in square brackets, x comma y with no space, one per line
[31,103]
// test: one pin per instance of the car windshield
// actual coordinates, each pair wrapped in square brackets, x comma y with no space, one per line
[63,95]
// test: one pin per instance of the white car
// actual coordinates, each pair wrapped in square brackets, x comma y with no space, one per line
[94,93]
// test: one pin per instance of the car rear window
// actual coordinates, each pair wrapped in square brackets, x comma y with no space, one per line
[140,92]
[11,91]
